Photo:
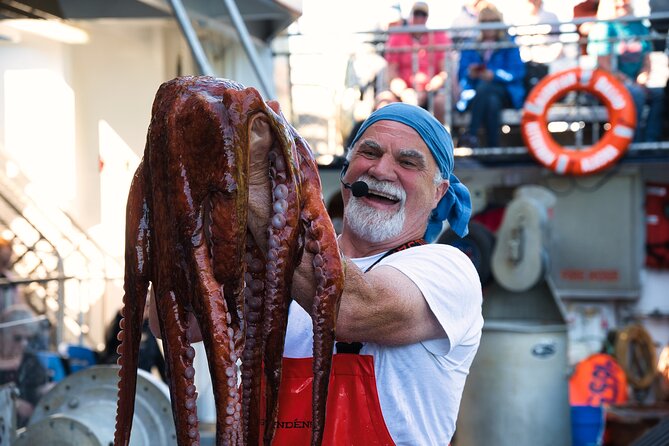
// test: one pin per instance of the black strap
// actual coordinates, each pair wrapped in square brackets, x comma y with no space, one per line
[355,347]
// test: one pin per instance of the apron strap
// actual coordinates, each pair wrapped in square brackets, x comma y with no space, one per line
[355,347]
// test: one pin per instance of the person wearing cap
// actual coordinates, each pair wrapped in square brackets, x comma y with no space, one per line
[491,79]
[18,364]
[414,69]
[410,321]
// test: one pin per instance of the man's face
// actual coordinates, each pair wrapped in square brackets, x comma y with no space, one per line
[418,18]
[400,170]
[623,7]
[14,341]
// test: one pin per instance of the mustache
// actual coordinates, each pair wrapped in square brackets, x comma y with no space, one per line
[384,188]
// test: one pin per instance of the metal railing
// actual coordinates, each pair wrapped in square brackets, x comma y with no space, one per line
[55,262]
[562,33]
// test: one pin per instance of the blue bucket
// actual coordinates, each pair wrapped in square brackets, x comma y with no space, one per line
[80,357]
[53,364]
[587,425]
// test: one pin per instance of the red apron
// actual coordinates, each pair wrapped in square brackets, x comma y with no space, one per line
[353,412]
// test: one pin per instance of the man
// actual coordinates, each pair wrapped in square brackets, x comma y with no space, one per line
[467,18]
[416,310]
[538,42]
[414,69]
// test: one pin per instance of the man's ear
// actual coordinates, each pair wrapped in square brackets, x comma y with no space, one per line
[441,191]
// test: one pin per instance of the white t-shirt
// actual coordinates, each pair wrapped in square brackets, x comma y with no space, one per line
[420,385]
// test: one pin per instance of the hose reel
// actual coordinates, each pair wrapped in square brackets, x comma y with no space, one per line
[520,259]
[81,409]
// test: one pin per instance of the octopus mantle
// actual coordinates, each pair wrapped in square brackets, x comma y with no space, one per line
[187,234]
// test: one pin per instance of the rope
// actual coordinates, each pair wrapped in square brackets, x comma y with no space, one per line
[635,352]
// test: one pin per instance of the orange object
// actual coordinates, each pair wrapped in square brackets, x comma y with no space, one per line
[598,380]
[609,149]
[353,411]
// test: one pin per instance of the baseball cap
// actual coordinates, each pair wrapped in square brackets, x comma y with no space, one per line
[420,7]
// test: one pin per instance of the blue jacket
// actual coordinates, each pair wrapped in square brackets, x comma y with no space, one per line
[507,67]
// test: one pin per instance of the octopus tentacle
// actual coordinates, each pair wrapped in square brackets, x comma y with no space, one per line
[135,285]
[252,355]
[215,320]
[282,237]
[218,253]
[179,355]
[321,242]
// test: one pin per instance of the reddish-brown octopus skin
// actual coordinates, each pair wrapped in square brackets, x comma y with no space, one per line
[186,234]
[327,263]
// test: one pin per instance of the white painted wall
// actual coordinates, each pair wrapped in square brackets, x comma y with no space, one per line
[67,110]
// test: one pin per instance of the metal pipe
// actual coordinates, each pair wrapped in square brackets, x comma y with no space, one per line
[191,38]
[60,318]
[244,37]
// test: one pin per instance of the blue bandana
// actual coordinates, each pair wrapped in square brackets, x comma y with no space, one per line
[456,205]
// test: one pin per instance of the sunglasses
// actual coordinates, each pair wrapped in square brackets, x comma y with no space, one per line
[419,14]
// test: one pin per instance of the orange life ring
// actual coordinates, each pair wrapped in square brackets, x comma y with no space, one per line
[609,149]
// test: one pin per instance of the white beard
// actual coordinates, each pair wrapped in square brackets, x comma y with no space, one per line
[373,224]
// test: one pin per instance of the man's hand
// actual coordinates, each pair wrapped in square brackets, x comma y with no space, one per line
[409,96]
[487,75]
[24,408]
[397,86]
[436,82]
[642,78]
[474,71]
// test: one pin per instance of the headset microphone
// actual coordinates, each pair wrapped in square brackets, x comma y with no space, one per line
[358,188]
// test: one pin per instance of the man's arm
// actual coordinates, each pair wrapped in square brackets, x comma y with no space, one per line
[382,306]
[644,73]
[604,63]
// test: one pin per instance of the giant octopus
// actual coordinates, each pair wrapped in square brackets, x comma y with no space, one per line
[187,234]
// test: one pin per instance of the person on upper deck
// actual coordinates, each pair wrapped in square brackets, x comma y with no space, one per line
[620,47]
[539,42]
[467,18]
[491,78]
[416,71]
